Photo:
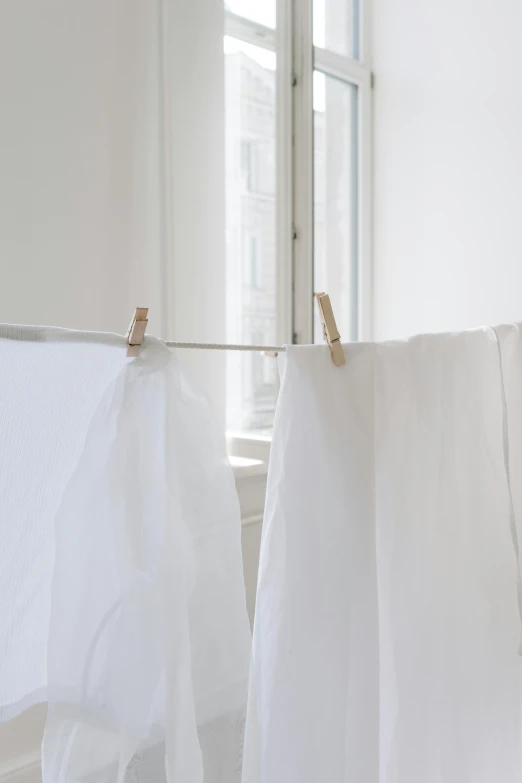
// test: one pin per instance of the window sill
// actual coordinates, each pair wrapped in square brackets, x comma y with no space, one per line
[249,459]
[243,467]
[249,446]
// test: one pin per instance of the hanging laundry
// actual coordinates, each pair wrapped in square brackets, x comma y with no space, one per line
[387,626]
[121,579]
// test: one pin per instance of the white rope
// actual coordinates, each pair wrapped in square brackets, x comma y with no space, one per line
[229,347]
[21,332]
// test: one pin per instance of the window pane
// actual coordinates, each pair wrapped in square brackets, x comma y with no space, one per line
[335,200]
[336,26]
[252,379]
[262,11]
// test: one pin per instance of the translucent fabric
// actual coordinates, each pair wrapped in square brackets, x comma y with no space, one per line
[121,577]
[387,624]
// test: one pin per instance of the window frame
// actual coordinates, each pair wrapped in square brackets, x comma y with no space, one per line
[297,58]
[307,59]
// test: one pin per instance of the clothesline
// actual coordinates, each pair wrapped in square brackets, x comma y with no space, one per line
[229,347]
[21,332]
[138,325]
[331,334]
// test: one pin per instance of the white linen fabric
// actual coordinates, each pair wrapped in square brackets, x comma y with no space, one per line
[387,625]
[121,579]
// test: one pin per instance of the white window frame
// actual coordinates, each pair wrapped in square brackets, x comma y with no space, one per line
[297,58]
[306,59]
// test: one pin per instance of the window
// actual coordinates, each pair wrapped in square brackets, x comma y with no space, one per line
[297,167]
[250,94]
[335,199]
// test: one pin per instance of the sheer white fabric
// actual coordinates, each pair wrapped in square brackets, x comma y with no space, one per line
[387,627]
[122,590]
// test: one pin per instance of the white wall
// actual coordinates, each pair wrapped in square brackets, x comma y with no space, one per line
[448,164]
[111,182]
[79,164]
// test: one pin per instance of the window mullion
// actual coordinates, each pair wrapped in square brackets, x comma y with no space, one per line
[365,248]
[249,31]
[302,161]
[340,67]
[364,19]
[284,170]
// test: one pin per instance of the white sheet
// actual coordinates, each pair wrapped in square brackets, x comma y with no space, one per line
[122,590]
[387,626]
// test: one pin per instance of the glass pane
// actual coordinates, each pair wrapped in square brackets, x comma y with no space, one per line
[335,201]
[252,379]
[262,11]
[336,26]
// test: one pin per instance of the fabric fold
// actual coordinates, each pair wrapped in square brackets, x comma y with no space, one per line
[144,641]
[510,357]
[387,626]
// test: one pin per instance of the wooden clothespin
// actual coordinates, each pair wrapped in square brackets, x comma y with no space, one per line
[136,330]
[331,335]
